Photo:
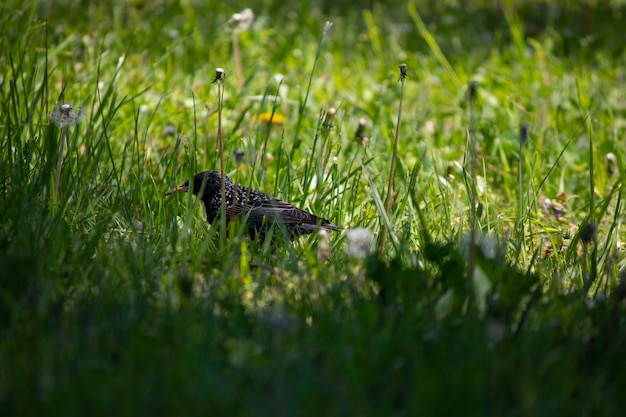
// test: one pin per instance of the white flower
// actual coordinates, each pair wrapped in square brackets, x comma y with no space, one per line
[359,243]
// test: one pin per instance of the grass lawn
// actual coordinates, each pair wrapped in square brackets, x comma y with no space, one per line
[471,152]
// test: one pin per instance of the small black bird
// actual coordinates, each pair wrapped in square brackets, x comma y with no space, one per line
[262,211]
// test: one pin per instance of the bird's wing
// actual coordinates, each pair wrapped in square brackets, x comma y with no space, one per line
[276,210]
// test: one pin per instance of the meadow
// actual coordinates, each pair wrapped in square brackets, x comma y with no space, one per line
[470,151]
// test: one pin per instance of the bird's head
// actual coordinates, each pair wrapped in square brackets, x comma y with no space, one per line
[204,183]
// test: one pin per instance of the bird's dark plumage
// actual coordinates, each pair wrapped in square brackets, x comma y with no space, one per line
[262,211]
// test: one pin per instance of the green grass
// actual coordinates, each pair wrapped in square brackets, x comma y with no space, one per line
[116,300]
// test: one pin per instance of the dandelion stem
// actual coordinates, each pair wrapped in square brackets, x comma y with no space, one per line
[57,178]
[521,201]
[64,116]
[383,235]
[219,79]
[469,172]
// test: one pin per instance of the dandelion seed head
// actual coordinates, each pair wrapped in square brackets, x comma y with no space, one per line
[219,75]
[403,73]
[359,243]
[64,115]
[242,20]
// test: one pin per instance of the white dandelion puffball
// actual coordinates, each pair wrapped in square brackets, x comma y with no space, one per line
[359,243]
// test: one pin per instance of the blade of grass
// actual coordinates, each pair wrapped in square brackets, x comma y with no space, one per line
[303,102]
[381,208]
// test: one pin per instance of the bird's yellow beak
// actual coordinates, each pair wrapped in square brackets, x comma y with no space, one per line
[180,189]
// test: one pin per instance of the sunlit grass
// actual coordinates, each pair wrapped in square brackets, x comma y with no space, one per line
[115,297]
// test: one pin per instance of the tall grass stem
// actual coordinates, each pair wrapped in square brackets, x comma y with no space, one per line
[303,102]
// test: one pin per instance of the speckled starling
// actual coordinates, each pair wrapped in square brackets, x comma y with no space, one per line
[261,210]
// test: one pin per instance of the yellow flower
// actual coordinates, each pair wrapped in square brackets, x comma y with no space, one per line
[268,117]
